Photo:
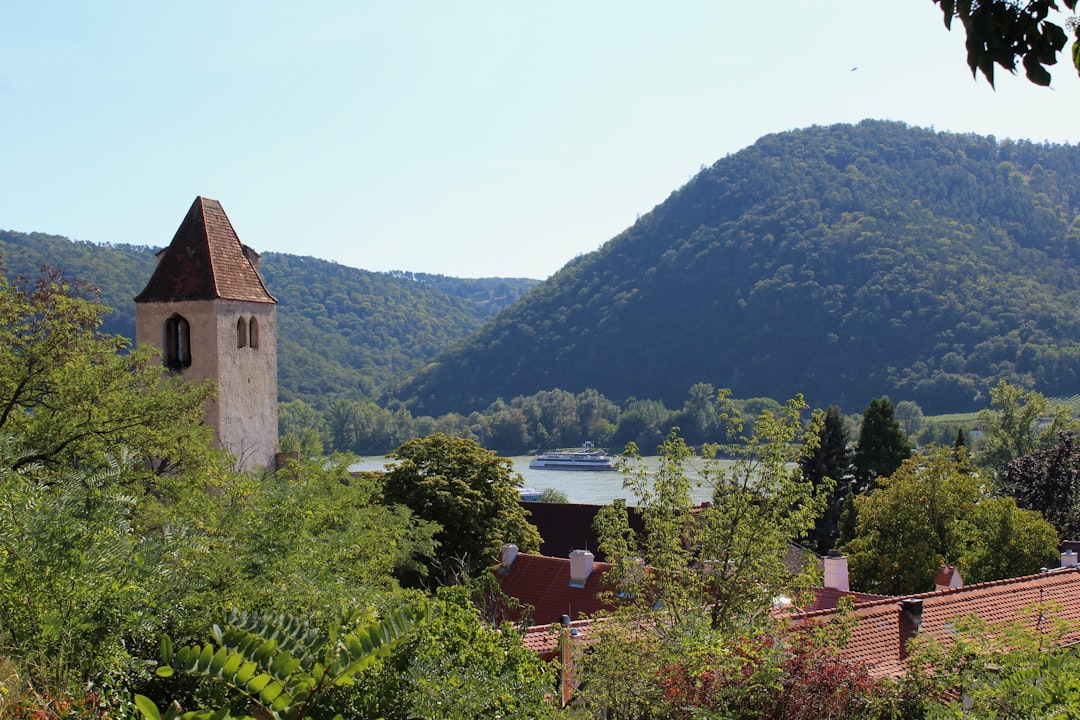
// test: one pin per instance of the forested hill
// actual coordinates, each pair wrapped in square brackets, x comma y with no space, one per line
[844,262]
[343,332]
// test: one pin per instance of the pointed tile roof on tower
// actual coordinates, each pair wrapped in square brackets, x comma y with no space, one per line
[205,261]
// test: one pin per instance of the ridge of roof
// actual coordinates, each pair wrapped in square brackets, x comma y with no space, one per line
[205,261]
[886,601]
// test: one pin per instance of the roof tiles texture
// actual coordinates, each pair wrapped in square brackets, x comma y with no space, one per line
[544,583]
[205,261]
[883,629]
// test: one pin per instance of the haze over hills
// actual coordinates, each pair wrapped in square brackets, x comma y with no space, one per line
[844,262]
[343,332]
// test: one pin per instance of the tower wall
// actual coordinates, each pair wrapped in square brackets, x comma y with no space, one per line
[247,382]
[244,413]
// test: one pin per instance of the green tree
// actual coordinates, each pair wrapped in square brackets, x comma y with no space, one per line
[700,419]
[930,512]
[961,453]
[297,419]
[721,565]
[1013,668]
[310,539]
[75,581]
[470,492]
[910,417]
[1003,541]
[1020,424]
[551,495]
[1001,32]
[882,445]
[830,460]
[71,395]
[458,667]
[909,525]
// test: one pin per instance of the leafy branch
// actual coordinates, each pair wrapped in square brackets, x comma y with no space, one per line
[281,665]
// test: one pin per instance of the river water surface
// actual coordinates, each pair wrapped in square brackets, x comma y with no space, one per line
[579,486]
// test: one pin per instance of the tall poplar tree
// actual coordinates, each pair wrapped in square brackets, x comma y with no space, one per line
[829,467]
[882,445]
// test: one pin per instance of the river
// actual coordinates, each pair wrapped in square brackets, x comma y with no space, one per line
[588,488]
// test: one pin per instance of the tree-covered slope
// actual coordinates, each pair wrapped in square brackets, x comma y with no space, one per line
[342,331]
[844,262]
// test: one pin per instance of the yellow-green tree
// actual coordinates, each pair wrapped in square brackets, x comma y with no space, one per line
[930,512]
[1019,423]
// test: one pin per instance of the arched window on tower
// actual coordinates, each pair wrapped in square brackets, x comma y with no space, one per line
[241,333]
[177,343]
[254,334]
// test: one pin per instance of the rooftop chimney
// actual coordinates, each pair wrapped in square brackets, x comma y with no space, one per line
[948,577]
[1068,559]
[507,556]
[912,608]
[910,622]
[836,572]
[581,567]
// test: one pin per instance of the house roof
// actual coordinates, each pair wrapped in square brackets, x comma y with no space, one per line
[205,261]
[826,598]
[544,639]
[883,628]
[544,583]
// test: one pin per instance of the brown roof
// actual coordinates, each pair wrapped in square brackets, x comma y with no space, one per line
[544,583]
[569,526]
[883,628]
[205,261]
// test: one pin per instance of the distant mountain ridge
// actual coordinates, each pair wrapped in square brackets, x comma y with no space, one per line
[844,262]
[343,332]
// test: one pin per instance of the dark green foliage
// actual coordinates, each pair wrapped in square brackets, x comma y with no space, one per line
[1002,32]
[849,518]
[894,259]
[829,462]
[467,490]
[882,445]
[120,271]
[1048,481]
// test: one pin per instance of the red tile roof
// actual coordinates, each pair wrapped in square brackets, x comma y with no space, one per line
[205,261]
[882,630]
[544,639]
[828,598]
[544,583]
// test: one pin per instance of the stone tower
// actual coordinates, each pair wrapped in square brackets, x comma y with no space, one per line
[206,309]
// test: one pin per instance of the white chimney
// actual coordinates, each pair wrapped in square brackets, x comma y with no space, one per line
[836,572]
[581,567]
[508,555]
[1068,559]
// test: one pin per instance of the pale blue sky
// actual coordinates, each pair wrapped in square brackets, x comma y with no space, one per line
[463,138]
